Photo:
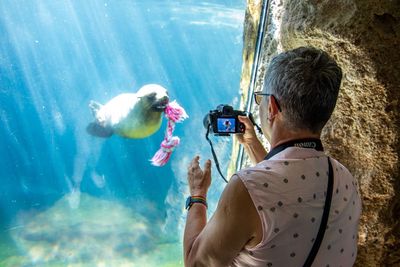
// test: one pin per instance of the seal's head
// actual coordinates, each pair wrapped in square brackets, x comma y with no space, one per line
[154,96]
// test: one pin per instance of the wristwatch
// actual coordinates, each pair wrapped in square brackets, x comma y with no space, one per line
[195,199]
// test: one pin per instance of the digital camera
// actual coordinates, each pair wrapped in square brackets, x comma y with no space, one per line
[224,121]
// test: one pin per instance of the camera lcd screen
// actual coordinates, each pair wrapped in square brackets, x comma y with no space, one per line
[226,125]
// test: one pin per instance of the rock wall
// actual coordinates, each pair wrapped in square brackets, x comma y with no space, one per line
[363,133]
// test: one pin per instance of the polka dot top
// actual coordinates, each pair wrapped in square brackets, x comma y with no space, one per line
[289,192]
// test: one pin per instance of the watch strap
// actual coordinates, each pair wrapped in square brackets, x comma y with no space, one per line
[195,199]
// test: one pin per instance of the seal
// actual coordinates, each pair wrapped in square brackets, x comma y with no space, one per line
[131,115]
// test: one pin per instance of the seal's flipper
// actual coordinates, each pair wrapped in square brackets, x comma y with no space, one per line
[96,129]
[94,107]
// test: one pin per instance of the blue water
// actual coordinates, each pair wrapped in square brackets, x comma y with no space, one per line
[69,198]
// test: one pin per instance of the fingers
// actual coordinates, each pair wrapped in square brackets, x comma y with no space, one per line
[207,164]
[246,121]
[199,181]
[207,167]
[196,159]
[194,162]
[239,138]
[195,165]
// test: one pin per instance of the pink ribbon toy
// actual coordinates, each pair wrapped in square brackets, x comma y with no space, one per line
[174,113]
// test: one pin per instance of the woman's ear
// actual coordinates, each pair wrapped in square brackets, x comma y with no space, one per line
[273,108]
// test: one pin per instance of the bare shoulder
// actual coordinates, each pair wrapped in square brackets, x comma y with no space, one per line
[237,204]
[236,194]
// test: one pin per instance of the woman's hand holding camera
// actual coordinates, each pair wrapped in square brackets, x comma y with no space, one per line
[249,136]
[250,141]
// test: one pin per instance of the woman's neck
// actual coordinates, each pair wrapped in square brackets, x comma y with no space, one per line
[284,135]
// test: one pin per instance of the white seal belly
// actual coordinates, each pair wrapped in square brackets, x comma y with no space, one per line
[130,115]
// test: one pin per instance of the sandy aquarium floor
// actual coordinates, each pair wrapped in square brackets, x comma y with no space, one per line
[93,232]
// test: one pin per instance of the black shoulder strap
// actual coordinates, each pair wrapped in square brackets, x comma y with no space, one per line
[324,220]
[314,143]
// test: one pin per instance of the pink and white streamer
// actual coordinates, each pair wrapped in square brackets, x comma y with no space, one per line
[174,113]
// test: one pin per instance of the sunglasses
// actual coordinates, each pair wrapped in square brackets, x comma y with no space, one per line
[259,95]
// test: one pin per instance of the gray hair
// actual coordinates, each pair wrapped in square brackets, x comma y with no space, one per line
[305,82]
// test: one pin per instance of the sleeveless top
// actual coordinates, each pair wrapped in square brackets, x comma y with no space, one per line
[289,192]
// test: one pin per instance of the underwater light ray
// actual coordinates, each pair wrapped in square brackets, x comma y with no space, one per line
[42,89]
[104,31]
[86,148]
[82,146]
[86,60]
[23,45]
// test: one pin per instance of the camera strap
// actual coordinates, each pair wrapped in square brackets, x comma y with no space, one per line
[250,115]
[314,143]
[213,153]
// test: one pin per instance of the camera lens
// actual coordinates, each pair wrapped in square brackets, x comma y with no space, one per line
[206,121]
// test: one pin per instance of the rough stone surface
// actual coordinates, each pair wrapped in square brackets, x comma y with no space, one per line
[363,133]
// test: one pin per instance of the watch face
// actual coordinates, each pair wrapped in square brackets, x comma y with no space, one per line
[188,202]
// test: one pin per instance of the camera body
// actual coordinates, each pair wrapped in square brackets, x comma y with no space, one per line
[224,121]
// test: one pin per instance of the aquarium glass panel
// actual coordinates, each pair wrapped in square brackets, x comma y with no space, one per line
[70,198]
